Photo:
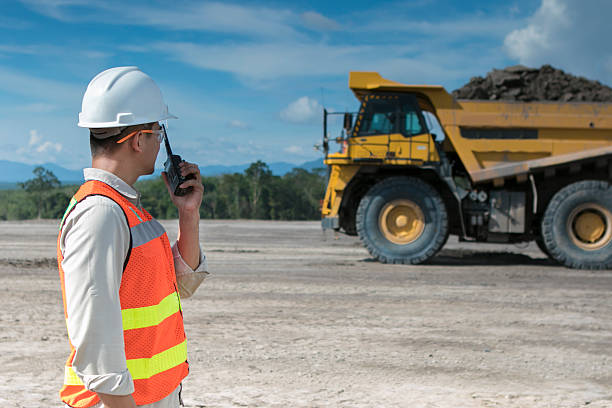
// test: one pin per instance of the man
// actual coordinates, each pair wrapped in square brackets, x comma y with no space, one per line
[120,277]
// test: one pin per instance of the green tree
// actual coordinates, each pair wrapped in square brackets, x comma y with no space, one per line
[234,193]
[211,201]
[40,187]
[258,175]
[308,189]
[56,201]
[256,193]
[16,205]
[155,198]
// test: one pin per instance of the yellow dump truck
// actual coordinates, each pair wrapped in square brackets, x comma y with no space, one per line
[415,165]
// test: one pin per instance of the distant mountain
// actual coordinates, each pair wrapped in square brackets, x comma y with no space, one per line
[66,176]
[277,168]
[13,172]
[311,165]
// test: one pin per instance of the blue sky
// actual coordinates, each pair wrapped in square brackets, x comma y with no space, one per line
[248,79]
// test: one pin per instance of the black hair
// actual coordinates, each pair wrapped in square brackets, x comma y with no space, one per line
[109,145]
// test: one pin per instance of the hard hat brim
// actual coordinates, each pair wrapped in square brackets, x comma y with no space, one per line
[123,123]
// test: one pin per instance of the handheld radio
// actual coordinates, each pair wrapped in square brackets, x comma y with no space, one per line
[171,166]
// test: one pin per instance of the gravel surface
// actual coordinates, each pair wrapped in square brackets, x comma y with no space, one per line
[293,317]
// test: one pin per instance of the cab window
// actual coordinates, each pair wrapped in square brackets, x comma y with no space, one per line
[381,122]
[385,114]
[434,126]
[412,124]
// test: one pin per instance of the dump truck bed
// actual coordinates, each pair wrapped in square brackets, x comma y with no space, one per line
[505,139]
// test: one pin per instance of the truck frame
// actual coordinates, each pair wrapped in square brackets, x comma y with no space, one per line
[417,165]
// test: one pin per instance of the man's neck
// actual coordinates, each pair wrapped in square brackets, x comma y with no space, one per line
[115,166]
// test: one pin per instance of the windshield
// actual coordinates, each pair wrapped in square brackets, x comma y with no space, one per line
[385,114]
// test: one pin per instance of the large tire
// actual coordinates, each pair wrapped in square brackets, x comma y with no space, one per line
[577,225]
[540,243]
[402,220]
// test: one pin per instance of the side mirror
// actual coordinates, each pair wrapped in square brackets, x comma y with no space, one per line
[348,121]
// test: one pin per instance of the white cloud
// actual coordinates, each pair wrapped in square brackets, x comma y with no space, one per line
[252,148]
[38,150]
[48,147]
[197,16]
[35,138]
[273,44]
[58,8]
[237,124]
[566,34]
[294,149]
[484,26]
[221,17]
[303,110]
[319,22]
[528,42]
[58,52]
[271,61]
[37,144]
[265,63]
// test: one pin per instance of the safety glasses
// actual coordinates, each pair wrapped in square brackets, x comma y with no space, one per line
[158,132]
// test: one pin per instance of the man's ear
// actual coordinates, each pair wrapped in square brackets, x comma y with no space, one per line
[136,142]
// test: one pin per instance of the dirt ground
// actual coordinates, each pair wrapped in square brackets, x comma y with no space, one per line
[293,317]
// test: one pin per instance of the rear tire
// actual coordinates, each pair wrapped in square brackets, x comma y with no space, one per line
[402,220]
[577,225]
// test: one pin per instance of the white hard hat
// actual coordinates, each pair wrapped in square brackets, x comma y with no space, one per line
[122,96]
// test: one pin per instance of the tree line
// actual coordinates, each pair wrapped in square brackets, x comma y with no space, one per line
[254,194]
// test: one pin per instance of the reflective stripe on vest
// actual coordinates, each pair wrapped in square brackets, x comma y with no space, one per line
[145,232]
[150,315]
[142,368]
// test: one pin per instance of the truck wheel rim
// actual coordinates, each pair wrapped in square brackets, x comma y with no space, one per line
[401,221]
[590,226]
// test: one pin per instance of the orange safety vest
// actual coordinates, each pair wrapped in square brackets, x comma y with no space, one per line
[155,345]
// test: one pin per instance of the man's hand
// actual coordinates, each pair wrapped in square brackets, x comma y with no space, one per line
[190,202]
[189,214]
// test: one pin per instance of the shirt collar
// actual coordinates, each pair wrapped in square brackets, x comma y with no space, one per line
[115,182]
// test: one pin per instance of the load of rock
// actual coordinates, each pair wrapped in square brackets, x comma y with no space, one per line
[520,83]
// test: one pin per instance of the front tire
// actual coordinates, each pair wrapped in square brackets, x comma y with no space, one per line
[402,220]
[577,225]
[540,243]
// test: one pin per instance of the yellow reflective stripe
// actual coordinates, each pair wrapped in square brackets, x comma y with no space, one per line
[142,368]
[150,315]
[70,377]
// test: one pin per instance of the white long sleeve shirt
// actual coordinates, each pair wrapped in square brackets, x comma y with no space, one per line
[94,242]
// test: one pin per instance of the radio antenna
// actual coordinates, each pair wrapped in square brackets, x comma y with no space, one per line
[168,148]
